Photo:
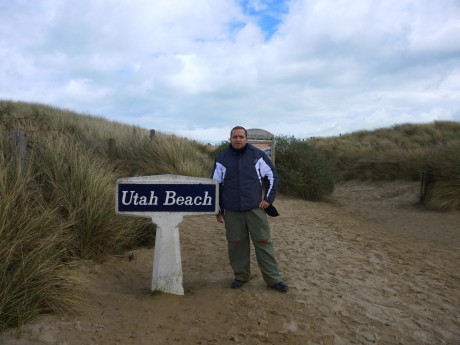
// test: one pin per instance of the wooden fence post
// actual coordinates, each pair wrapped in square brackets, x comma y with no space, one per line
[426,180]
[19,149]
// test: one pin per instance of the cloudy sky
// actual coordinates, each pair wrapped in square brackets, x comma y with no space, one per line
[196,68]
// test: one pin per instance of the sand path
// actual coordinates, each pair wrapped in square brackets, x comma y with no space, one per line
[370,267]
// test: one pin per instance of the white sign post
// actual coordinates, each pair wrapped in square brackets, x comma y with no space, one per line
[166,199]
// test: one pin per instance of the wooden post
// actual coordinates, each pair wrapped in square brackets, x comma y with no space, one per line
[423,180]
[19,148]
[152,136]
[426,180]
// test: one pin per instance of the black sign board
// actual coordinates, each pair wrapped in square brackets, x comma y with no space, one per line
[176,197]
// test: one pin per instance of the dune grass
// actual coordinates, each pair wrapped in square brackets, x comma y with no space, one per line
[58,210]
[402,152]
[443,193]
[81,186]
[169,154]
[399,152]
[36,273]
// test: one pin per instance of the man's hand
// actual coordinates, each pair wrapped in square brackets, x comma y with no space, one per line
[220,217]
[264,204]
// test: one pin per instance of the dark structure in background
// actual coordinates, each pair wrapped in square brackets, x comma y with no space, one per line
[263,140]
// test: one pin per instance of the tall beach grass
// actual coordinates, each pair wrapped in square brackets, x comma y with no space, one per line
[36,273]
[58,210]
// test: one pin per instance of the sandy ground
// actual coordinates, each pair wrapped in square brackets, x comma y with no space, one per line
[369,267]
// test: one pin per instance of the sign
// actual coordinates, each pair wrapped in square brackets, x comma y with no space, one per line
[166,199]
[185,198]
[147,195]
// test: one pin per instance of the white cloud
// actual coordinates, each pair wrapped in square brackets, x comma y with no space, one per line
[83,90]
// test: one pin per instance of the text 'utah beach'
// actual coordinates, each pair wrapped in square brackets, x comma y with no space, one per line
[169,198]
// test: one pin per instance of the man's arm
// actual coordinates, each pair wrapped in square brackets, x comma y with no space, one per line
[219,175]
[268,173]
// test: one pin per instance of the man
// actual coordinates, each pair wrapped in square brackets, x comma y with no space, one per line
[241,171]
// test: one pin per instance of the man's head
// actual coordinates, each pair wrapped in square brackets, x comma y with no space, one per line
[238,137]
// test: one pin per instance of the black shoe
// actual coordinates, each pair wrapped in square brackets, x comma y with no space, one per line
[280,287]
[236,284]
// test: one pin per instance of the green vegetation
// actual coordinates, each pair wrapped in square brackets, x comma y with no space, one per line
[443,175]
[399,152]
[36,275]
[403,152]
[303,171]
[58,208]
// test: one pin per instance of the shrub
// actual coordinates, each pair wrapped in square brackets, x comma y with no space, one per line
[302,170]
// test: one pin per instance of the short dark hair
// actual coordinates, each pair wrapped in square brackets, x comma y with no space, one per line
[239,127]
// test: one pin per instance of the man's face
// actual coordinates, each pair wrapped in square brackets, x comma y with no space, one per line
[238,139]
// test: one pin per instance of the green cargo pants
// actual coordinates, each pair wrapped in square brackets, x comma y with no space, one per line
[254,223]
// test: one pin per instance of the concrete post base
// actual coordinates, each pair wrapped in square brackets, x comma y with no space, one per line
[167,263]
